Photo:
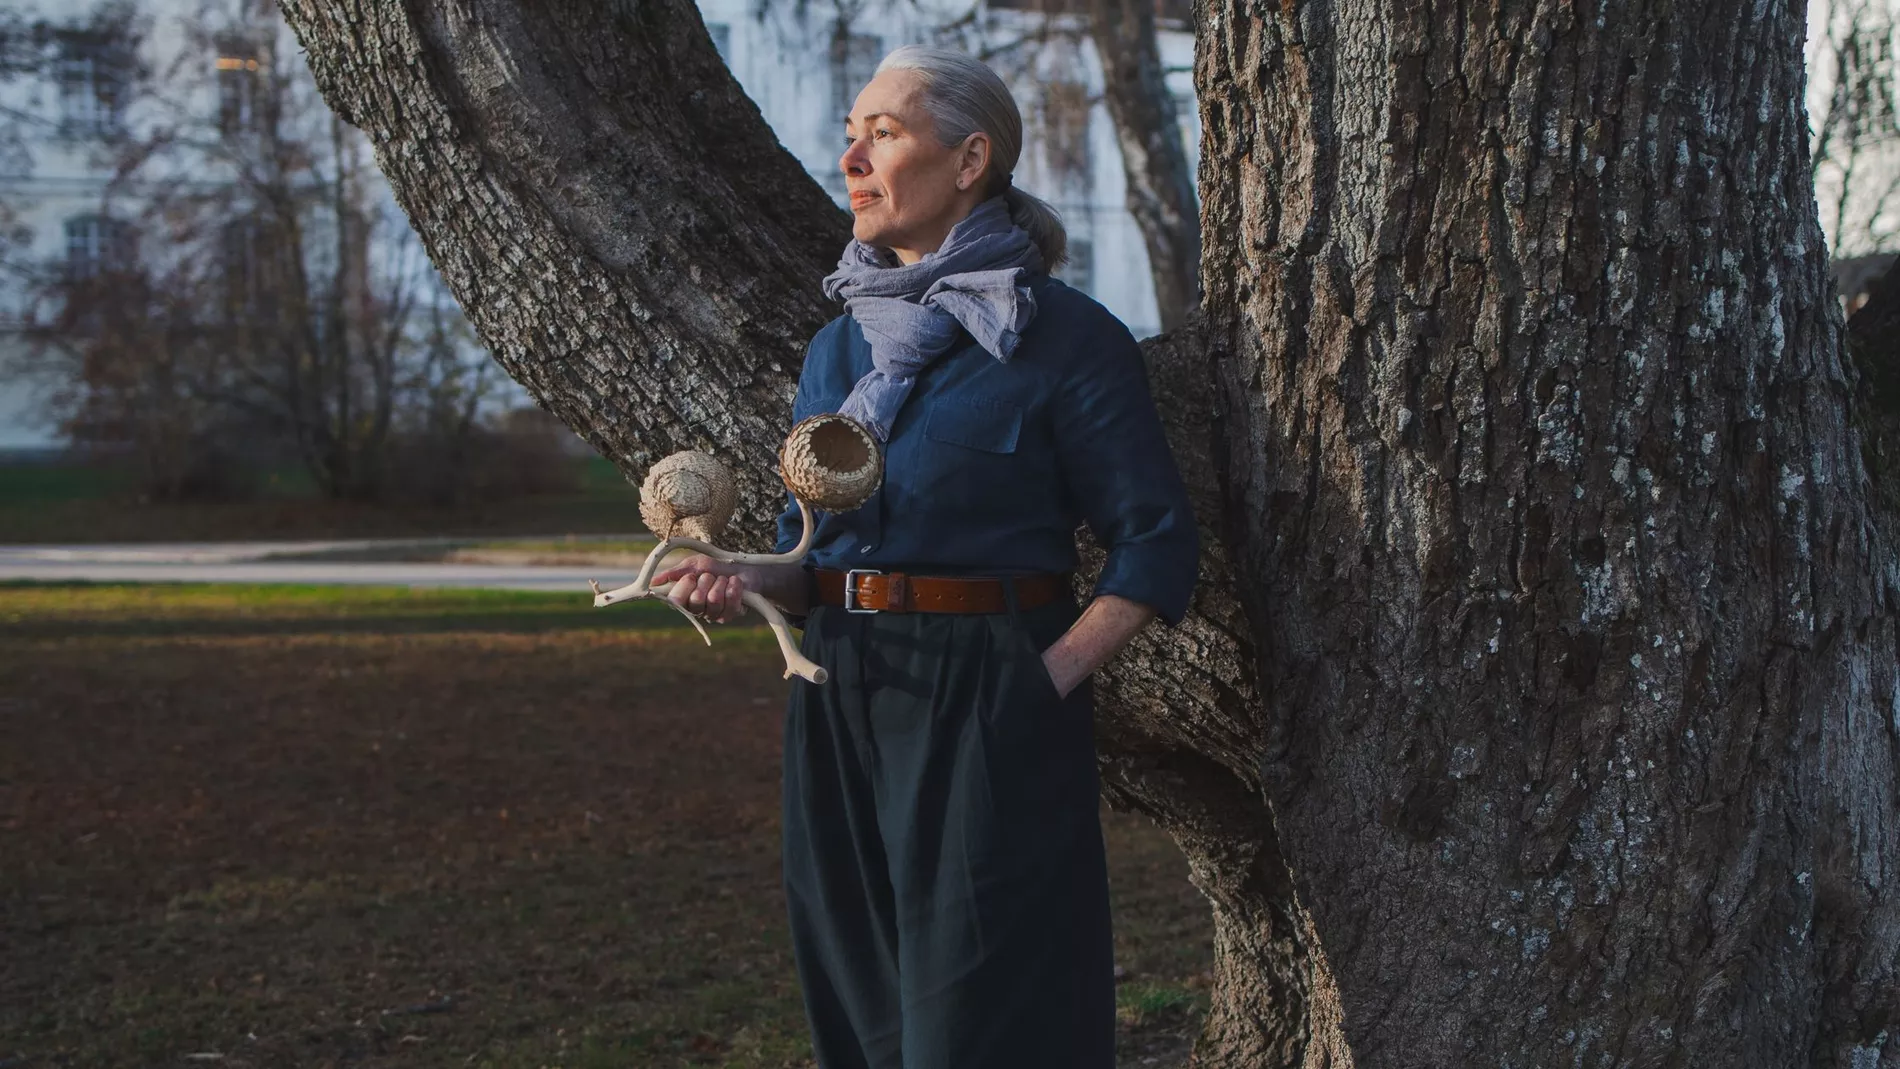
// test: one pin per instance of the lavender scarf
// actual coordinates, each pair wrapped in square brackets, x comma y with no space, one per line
[910,313]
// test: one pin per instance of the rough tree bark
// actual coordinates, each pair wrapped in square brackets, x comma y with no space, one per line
[1577,633]
[1531,472]
[1154,163]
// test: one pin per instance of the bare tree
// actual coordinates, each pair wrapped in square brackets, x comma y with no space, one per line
[136,372]
[1154,162]
[1856,158]
[1536,706]
[1158,184]
[253,288]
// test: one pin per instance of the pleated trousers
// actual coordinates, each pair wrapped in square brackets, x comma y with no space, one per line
[943,852]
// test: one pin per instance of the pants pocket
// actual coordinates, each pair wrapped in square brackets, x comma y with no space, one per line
[1033,665]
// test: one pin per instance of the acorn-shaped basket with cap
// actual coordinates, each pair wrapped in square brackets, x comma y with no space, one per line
[829,462]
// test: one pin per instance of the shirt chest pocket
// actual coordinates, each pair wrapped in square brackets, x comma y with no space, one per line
[989,424]
[978,460]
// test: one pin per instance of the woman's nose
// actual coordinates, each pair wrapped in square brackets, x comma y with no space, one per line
[854,161]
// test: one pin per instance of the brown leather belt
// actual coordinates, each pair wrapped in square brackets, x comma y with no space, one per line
[873,591]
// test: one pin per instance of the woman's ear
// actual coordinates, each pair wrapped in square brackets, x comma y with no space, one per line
[973,159]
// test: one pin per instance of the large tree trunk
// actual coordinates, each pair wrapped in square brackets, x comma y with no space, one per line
[1579,659]
[1155,168]
[1577,635]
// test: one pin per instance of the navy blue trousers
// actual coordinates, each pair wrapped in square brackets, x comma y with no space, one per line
[943,849]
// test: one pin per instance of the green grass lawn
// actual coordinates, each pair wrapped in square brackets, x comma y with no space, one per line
[72,502]
[295,826]
[24,485]
[50,610]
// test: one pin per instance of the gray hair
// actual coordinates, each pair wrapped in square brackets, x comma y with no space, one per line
[963,96]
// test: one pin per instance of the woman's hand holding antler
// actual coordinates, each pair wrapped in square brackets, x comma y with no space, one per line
[714,589]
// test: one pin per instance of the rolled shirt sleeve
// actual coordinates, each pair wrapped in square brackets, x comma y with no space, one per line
[1116,463]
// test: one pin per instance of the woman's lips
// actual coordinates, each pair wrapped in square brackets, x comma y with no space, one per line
[860,198]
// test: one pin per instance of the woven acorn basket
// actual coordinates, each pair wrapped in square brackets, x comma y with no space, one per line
[832,462]
[690,494]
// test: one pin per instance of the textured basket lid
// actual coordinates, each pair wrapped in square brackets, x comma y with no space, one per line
[831,462]
[688,493]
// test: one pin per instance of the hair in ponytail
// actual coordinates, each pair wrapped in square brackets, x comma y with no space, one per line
[1041,223]
[964,96]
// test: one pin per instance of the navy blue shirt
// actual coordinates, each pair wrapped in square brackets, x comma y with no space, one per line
[990,466]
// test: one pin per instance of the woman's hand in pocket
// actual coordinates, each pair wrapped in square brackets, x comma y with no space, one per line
[1050,664]
[1103,629]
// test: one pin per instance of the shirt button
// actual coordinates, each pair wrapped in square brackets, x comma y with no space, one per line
[865,551]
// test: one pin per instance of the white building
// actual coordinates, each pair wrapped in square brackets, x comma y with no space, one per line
[55,181]
[112,75]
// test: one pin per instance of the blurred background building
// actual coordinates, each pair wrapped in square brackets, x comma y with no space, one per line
[200,267]
[177,146]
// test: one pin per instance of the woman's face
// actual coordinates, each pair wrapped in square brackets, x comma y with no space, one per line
[907,189]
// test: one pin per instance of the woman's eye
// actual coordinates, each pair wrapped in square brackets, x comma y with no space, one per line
[848,139]
[883,133]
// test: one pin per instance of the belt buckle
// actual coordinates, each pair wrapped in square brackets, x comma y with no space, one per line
[851,590]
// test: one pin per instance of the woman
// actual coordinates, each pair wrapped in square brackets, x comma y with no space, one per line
[943,854]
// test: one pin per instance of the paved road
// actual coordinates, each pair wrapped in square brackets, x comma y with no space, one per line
[209,552]
[274,562]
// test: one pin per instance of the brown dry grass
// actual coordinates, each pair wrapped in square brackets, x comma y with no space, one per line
[422,846]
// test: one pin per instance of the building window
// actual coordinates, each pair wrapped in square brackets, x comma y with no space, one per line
[1079,272]
[323,314]
[1187,111]
[95,245]
[1066,108]
[241,71]
[854,59]
[242,267]
[94,71]
[722,40]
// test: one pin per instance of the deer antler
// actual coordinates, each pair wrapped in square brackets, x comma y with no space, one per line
[796,662]
[828,459]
